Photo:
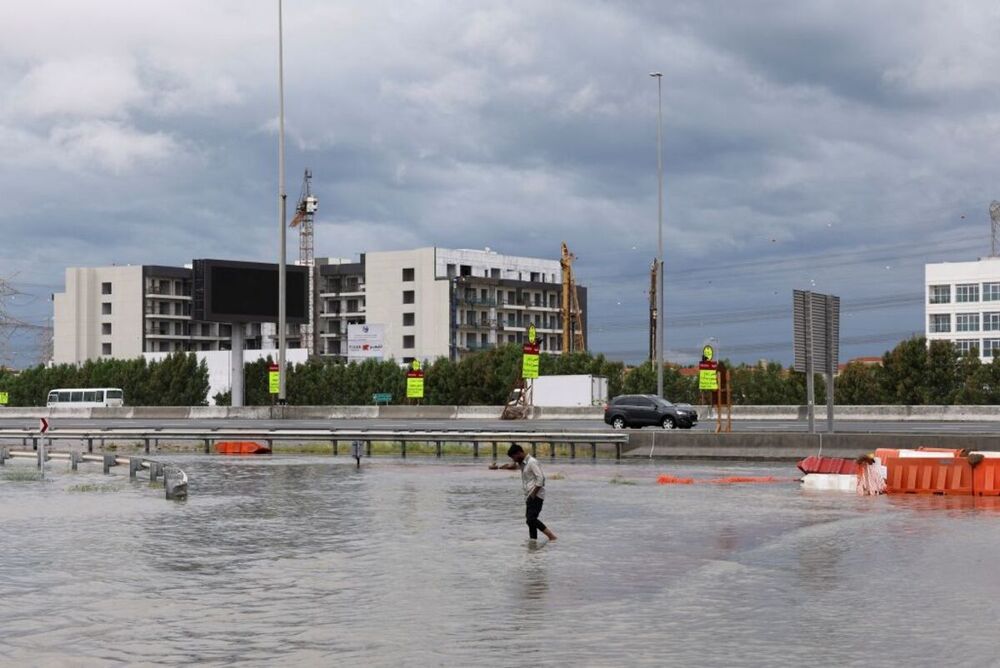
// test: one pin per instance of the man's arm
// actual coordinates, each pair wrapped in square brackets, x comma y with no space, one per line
[503,467]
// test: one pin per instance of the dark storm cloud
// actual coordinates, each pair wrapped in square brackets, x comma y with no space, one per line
[858,131]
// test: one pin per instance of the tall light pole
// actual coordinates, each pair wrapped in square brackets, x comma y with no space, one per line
[660,324]
[282,318]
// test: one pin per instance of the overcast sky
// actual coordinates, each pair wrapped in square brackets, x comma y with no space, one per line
[831,145]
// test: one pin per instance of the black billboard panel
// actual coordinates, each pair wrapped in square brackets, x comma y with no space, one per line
[230,291]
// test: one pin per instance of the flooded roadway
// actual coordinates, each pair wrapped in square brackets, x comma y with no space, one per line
[305,561]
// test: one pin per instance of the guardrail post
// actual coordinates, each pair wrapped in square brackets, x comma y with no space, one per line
[155,471]
[134,464]
[618,450]
[402,449]
[534,449]
[494,450]
[74,460]
[109,461]
[438,448]
[90,445]
[208,445]
[3,455]
[335,448]
[552,450]
[146,445]
[572,450]
[270,444]
[593,450]
[156,445]
[475,449]
[368,448]
[34,442]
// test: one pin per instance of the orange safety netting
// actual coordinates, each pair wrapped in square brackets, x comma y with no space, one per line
[667,479]
[673,480]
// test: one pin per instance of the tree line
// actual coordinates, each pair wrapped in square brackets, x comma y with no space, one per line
[177,380]
[912,373]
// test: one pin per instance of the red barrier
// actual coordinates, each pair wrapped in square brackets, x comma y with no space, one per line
[241,448]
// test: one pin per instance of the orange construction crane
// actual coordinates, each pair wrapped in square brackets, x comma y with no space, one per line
[572,318]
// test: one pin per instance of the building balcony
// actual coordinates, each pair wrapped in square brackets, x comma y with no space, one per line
[152,315]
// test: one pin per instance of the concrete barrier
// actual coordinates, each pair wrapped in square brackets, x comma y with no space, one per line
[787,446]
[742,413]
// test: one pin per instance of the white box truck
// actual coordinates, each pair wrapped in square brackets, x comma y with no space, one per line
[569,391]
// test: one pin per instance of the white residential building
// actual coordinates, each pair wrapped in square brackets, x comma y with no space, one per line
[431,302]
[962,305]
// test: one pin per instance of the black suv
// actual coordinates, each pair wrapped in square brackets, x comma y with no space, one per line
[641,410]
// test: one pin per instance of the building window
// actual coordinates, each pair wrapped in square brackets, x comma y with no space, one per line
[967,292]
[409,342]
[105,348]
[409,296]
[965,346]
[106,308]
[409,319]
[494,273]
[408,274]
[991,347]
[451,271]
[106,328]
[991,322]
[105,288]
[464,270]
[966,322]
[940,294]
[991,292]
[940,323]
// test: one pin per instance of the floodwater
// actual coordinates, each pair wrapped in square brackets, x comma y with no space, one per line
[305,561]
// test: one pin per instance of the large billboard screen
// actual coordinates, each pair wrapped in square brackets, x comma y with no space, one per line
[229,291]
[365,342]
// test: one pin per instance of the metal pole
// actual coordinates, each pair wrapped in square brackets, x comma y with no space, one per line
[282,324]
[660,320]
[830,366]
[236,384]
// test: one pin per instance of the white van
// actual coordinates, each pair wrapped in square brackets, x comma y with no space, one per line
[89,397]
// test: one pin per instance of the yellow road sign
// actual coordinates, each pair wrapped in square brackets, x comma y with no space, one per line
[414,387]
[708,352]
[4,398]
[532,334]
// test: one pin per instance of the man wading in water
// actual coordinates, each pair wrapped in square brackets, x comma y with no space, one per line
[533,481]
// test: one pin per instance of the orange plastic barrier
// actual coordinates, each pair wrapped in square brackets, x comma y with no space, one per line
[241,448]
[986,478]
[885,453]
[946,475]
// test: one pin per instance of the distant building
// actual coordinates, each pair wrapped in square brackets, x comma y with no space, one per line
[962,305]
[124,311]
[430,303]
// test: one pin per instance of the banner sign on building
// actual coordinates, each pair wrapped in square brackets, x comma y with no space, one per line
[273,380]
[415,382]
[365,342]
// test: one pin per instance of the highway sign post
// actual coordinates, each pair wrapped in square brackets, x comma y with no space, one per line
[817,343]
[415,382]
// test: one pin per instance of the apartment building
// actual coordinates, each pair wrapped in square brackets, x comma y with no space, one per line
[962,305]
[436,302]
[125,311]
[431,302]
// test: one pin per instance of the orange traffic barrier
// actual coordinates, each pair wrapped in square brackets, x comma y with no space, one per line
[885,453]
[986,478]
[925,475]
[241,448]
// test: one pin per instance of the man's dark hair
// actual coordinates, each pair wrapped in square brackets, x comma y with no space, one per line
[514,449]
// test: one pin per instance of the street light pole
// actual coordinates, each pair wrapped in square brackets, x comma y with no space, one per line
[660,324]
[282,317]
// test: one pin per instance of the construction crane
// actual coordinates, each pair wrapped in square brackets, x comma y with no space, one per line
[572,318]
[305,210]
